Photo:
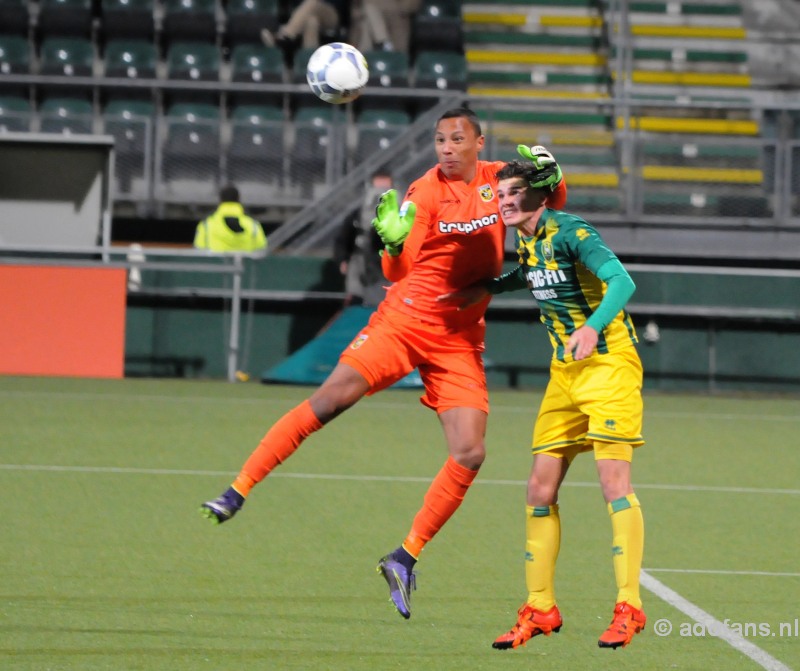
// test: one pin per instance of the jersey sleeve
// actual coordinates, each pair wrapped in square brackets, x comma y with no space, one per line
[587,246]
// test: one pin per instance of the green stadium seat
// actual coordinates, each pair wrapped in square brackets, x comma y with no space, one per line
[66,115]
[132,125]
[297,75]
[191,148]
[256,151]
[256,64]
[14,60]
[439,70]
[189,21]
[377,129]
[128,19]
[65,18]
[437,26]
[131,59]
[15,56]
[312,125]
[197,62]
[387,70]
[15,17]
[70,56]
[67,57]
[15,114]
[247,18]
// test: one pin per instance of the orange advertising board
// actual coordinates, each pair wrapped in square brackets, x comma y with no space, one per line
[63,321]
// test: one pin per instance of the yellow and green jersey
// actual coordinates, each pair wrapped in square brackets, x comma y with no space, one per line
[559,264]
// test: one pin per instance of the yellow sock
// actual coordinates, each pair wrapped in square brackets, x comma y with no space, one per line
[543,541]
[627,526]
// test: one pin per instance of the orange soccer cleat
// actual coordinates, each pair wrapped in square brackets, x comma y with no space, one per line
[530,622]
[627,622]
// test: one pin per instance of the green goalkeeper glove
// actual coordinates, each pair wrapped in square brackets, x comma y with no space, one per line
[392,225]
[548,174]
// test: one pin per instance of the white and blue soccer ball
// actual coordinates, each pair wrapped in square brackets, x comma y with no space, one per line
[337,73]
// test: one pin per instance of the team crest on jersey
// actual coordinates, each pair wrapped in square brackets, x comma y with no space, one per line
[547,250]
[582,234]
[360,340]
[486,193]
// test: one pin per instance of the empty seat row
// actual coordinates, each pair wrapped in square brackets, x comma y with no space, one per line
[437,24]
[240,20]
[191,144]
[198,62]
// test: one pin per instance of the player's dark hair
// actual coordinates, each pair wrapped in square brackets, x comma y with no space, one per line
[463,112]
[512,169]
[229,194]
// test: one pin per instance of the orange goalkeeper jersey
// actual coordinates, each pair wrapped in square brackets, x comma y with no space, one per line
[456,240]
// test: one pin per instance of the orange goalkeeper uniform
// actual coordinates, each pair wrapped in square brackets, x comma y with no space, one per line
[456,240]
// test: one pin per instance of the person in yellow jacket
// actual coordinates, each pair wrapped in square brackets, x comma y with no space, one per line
[229,229]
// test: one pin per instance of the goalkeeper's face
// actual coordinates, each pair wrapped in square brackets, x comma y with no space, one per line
[520,204]
[457,147]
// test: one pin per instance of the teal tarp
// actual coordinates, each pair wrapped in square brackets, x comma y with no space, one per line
[313,362]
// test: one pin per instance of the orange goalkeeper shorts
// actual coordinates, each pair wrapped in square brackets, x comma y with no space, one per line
[449,361]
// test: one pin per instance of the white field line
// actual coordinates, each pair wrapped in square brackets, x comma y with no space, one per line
[369,478]
[370,403]
[771,574]
[710,623]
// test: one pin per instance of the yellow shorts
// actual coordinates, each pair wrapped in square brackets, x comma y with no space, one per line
[595,404]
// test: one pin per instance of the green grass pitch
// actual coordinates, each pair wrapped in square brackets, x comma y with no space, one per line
[106,563]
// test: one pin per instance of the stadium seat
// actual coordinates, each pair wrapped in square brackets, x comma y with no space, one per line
[67,57]
[256,64]
[189,21]
[14,17]
[133,59]
[256,151]
[440,70]
[14,55]
[66,115]
[65,18]
[14,60]
[438,27]
[131,124]
[298,76]
[197,62]
[387,70]
[128,19]
[309,156]
[377,130]
[15,114]
[247,18]
[191,149]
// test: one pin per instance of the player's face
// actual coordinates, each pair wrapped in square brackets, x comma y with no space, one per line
[520,206]
[457,147]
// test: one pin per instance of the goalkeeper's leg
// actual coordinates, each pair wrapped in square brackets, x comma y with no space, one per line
[344,387]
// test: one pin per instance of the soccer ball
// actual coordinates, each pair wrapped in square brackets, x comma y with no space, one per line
[337,72]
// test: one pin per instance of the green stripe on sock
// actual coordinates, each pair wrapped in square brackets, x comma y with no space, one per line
[541,511]
[620,504]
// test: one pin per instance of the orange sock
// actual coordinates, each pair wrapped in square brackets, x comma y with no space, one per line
[277,446]
[443,497]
